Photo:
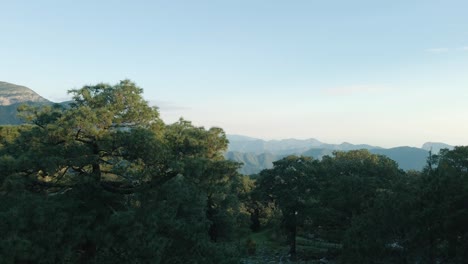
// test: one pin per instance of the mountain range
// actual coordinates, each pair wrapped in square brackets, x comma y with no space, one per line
[256,154]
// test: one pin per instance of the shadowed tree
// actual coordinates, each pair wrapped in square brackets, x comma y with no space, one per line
[291,185]
[105,181]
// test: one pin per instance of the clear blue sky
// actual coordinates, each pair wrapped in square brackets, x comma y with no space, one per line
[379,72]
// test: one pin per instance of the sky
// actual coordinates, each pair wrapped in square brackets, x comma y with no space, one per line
[386,73]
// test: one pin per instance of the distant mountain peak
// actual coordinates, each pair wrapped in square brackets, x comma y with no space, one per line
[258,154]
[13,94]
[435,147]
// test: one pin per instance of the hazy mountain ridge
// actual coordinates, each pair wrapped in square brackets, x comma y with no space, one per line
[258,154]
[253,163]
[286,146]
[435,147]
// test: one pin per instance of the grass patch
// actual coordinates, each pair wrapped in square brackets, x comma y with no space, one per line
[267,238]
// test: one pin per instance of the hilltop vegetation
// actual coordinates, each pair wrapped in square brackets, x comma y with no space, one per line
[105,180]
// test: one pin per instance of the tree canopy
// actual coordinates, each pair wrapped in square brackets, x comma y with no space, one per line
[104,180]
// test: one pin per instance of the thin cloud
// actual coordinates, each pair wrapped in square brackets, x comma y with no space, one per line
[167,106]
[354,89]
[445,50]
[438,50]
[59,99]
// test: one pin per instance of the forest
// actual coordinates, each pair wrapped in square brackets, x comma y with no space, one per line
[105,180]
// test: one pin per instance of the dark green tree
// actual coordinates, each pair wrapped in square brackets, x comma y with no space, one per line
[349,185]
[291,184]
[439,234]
[418,219]
[201,152]
[105,181]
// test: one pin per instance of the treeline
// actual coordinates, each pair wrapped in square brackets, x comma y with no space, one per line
[368,210]
[104,180]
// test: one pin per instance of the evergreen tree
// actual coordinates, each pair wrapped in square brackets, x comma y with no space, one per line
[105,181]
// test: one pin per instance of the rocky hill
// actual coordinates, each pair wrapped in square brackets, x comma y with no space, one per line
[11,96]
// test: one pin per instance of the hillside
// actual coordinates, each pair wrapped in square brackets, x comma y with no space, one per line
[11,96]
[253,163]
[408,158]
[435,147]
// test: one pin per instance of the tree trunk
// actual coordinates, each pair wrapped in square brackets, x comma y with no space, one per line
[292,226]
[292,243]
[210,213]
[254,217]
[96,167]
[96,172]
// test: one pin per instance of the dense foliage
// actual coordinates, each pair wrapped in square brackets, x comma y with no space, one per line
[366,210]
[104,180]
